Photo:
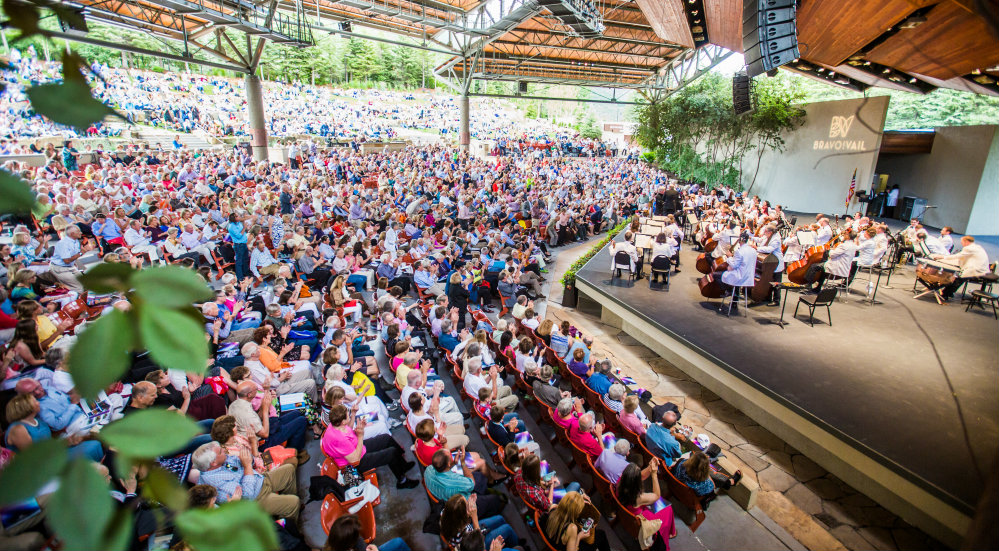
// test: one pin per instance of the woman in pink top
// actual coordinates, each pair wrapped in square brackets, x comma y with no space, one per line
[343,443]
[628,418]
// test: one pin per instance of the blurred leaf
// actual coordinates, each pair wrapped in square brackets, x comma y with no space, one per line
[81,509]
[15,194]
[171,286]
[23,17]
[163,486]
[118,533]
[31,469]
[71,16]
[173,339]
[70,103]
[101,353]
[150,433]
[235,526]
[108,277]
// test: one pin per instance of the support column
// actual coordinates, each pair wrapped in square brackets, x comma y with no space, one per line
[464,136]
[255,107]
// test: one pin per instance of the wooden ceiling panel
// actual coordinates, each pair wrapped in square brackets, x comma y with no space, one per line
[830,31]
[669,20]
[725,23]
[952,42]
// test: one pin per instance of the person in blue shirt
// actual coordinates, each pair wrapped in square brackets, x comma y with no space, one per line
[663,440]
[583,344]
[599,382]
[237,233]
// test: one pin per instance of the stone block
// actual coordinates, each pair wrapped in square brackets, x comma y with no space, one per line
[775,479]
[805,469]
[726,431]
[805,499]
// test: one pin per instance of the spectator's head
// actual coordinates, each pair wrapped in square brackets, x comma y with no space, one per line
[224,429]
[566,512]
[586,422]
[531,469]
[413,378]
[416,402]
[239,373]
[630,403]
[143,394]
[202,496]
[669,418]
[629,486]
[22,407]
[208,457]
[158,377]
[546,372]
[441,460]
[564,407]
[604,366]
[454,519]
[496,413]
[475,366]
[344,533]
[578,354]
[698,466]
[30,386]
[425,430]
[622,447]
[531,367]
[588,342]
[246,390]
[484,394]
[334,395]
[411,359]
[250,351]
[511,456]
[338,415]
[616,392]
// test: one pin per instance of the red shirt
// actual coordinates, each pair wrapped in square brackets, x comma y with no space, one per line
[425,452]
[586,441]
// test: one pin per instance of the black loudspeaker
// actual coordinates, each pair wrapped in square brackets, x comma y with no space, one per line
[742,93]
[521,87]
[345,26]
[769,34]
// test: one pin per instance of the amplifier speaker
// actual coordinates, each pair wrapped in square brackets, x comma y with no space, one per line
[522,87]
[769,34]
[742,93]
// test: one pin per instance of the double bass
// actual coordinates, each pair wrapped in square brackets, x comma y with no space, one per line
[710,285]
[814,255]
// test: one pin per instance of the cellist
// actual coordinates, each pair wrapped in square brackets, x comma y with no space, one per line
[769,243]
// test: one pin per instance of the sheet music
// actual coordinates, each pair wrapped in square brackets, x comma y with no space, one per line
[643,241]
[806,238]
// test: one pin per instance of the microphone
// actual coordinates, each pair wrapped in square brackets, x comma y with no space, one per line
[928,207]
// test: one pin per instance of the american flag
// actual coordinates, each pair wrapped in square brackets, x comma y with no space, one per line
[853,187]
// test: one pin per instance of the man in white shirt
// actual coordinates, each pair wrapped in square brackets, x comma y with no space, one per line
[138,241]
[946,240]
[191,240]
[285,382]
[972,259]
[825,233]
[475,379]
[262,262]
[626,246]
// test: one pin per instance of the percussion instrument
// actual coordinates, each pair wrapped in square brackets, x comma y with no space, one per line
[934,275]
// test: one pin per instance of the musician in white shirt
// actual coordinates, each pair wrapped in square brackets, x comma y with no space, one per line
[741,265]
[629,247]
[930,245]
[840,260]
[946,240]
[825,233]
[972,259]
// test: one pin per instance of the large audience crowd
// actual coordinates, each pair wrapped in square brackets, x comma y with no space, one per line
[355,296]
[217,106]
[348,290]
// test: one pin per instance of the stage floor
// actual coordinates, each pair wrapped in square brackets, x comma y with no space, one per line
[878,377]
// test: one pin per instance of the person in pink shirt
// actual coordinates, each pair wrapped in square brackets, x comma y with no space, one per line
[343,442]
[585,433]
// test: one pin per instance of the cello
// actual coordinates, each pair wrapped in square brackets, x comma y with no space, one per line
[710,284]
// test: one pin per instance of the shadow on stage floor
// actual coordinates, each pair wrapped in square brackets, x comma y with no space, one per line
[907,381]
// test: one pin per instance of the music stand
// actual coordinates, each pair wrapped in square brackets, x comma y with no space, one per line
[806,238]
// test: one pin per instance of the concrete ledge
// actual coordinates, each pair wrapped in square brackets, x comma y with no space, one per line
[857,467]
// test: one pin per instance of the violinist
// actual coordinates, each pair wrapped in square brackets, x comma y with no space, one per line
[769,243]
[724,239]
[824,233]
[840,260]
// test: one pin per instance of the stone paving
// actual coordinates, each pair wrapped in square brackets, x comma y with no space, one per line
[815,507]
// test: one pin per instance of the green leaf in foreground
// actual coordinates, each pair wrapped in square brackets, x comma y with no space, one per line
[69,102]
[81,509]
[101,353]
[150,433]
[164,487]
[174,340]
[235,526]
[171,286]
[108,277]
[31,469]
[15,194]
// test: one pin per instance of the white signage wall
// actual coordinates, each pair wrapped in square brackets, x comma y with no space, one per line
[814,171]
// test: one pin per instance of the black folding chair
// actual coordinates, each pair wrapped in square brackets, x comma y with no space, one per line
[622,261]
[824,298]
[660,266]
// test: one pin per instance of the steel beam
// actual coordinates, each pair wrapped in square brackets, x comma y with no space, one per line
[127,48]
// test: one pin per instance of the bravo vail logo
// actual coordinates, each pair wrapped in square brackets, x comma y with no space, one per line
[839,127]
